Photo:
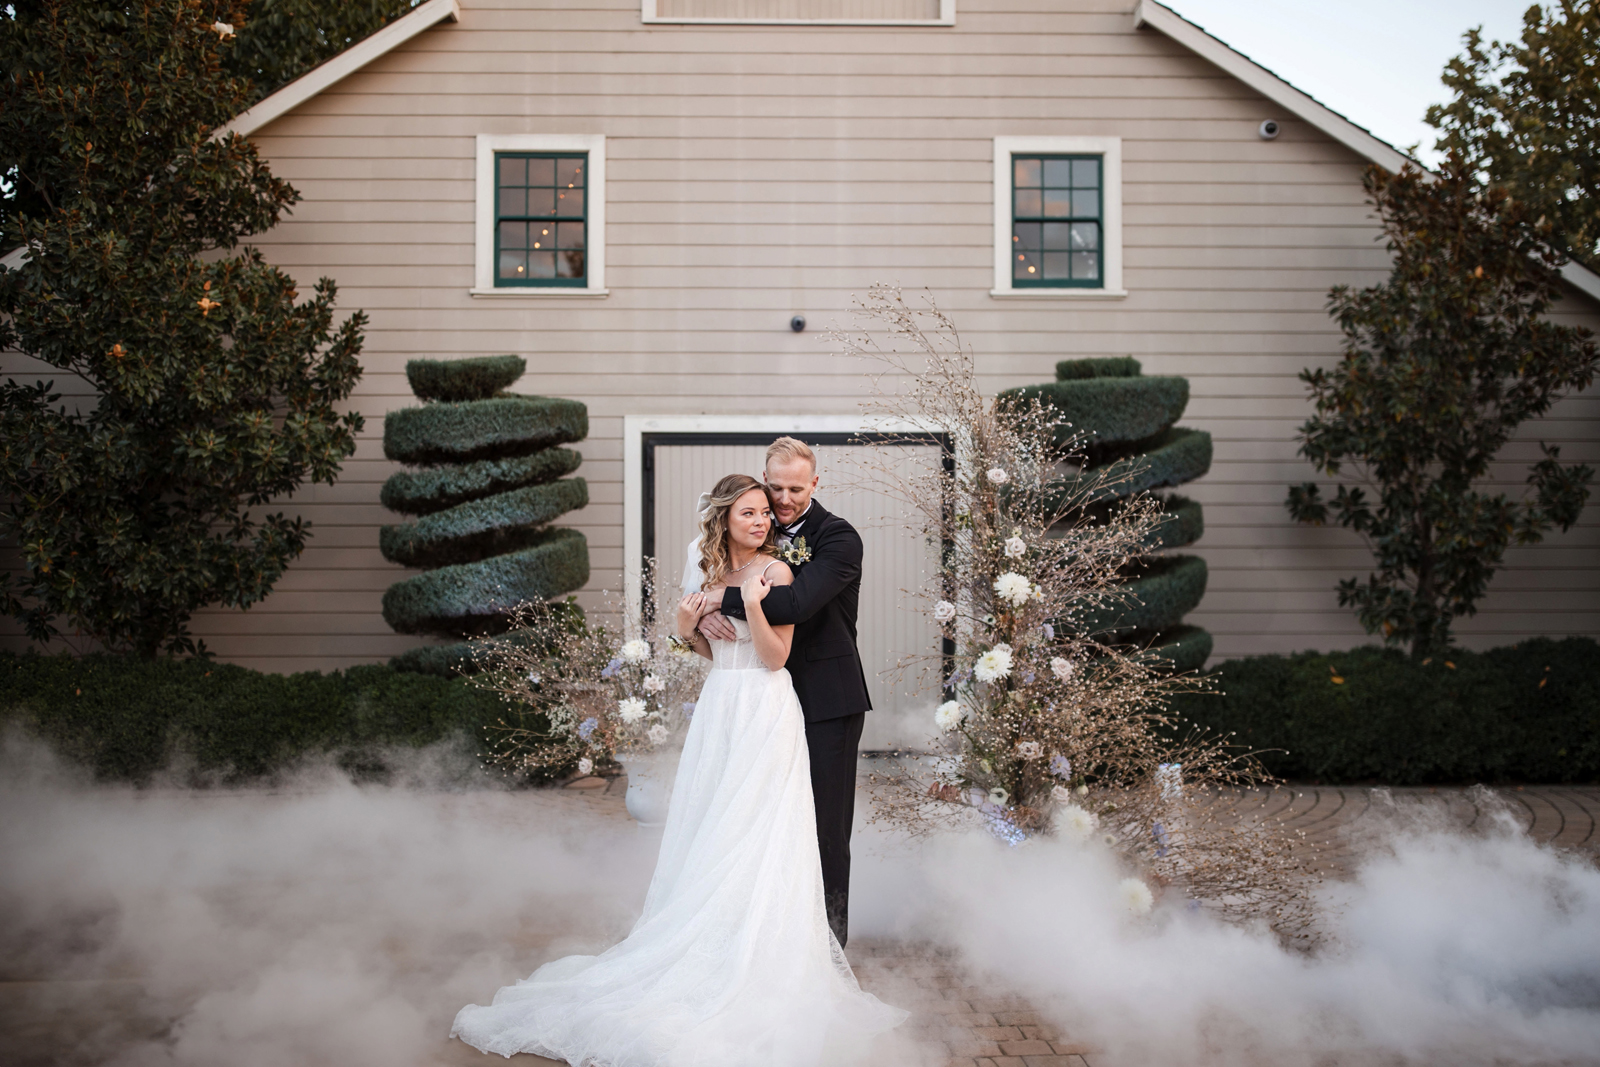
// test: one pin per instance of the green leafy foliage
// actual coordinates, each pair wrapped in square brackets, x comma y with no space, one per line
[434,489]
[128,717]
[468,532]
[478,598]
[482,429]
[463,379]
[1528,712]
[1442,362]
[1111,367]
[1524,116]
[216,389]
[283,39]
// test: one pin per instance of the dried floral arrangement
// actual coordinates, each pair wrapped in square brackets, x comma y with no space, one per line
[1047,726]
[580,694]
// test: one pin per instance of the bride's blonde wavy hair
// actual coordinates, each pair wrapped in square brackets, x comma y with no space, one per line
[714,557]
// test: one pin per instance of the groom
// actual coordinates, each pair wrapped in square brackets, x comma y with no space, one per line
[824,552]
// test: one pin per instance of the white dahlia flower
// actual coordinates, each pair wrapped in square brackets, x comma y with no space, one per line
[1135,896]
[944,611]
[635,651]
[1062,668]
[1061,794]
[653,683]
[1013,588]
[993,665]
[998,476]
[631,710]
[586,766]
[1016,547]
[949,715]
[1077,823]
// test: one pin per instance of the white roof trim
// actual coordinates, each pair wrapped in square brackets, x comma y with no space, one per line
[423,17]
[1159,17]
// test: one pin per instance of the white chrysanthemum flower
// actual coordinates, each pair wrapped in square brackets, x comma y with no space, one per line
[1015,547]
[1135,896]
[631,710]
[657,734]
[1061,794]
[653,683]
[586,766]
[998,476]
[1029,749]
[635,651]
[1013,588]
[944,611]
[1062,668]
[1077,823]
[998,795]
[993,665]
[948,716]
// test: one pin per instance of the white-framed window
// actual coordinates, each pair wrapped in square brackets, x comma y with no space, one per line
[801,12]
[1058,217]
[539,234]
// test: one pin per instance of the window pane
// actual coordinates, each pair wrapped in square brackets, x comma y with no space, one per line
[1057,203]
[1025,235]
[1056,235]
[541,202]
[1085,265]
[1027,203]
[513,201]
[541,172]
[539,234]
[541,264]
[1056,266]
[1086,236]
[569,173]
[1025,173]
[1058,173]
[569,264]
[1085,202]
[513,234]
[513,264]
[513,171]
[569,235]
[1026,266]
[1086,173]
[569,202]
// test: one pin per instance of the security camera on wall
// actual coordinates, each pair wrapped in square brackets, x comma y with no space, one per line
[1268,129]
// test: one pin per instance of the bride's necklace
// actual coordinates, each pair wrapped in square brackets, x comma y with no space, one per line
[753,558]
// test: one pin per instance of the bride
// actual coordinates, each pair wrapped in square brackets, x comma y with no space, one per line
[732,962]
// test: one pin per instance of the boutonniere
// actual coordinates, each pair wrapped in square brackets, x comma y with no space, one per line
[795,552]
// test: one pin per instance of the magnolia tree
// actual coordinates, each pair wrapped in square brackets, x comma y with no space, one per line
[1047,726]
[581,694]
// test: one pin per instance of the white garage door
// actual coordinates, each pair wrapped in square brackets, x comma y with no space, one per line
[679,467]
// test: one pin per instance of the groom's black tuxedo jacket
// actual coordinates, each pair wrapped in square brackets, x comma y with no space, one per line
[822,603]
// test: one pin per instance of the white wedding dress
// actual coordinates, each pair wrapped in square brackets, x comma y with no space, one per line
[732,963]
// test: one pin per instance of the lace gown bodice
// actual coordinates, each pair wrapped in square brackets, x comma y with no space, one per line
[737,655]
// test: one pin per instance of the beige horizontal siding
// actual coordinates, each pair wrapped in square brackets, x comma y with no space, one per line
[756,172]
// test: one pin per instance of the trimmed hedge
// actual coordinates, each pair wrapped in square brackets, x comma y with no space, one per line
[1177,456]
[450,661]
[1169,588]
[476,598]
[1183,523]
[1525,712]
[127,718]
[1113,367]
[434,489]
[468,532]
[1114,410]
[463,379]
[1184,648]
[496,428]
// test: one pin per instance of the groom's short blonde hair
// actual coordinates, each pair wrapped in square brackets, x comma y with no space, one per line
[787,449]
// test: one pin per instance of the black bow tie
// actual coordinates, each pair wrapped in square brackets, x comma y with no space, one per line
[789,531]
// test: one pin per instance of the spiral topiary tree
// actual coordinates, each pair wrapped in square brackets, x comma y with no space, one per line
[1128,420]
[491,480]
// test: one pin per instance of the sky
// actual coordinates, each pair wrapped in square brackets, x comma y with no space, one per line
[1376,62]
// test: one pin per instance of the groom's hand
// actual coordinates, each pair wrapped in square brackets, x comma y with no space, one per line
[717,628]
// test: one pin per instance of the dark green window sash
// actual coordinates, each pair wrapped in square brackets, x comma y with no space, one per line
[1057,221]
[541,219]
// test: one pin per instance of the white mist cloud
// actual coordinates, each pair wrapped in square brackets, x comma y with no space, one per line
[327,923]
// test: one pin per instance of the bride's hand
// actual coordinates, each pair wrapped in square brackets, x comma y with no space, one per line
[755,589]
[689,609]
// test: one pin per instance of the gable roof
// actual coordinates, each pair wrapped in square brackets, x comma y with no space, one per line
[1159,17]
[1146,13]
